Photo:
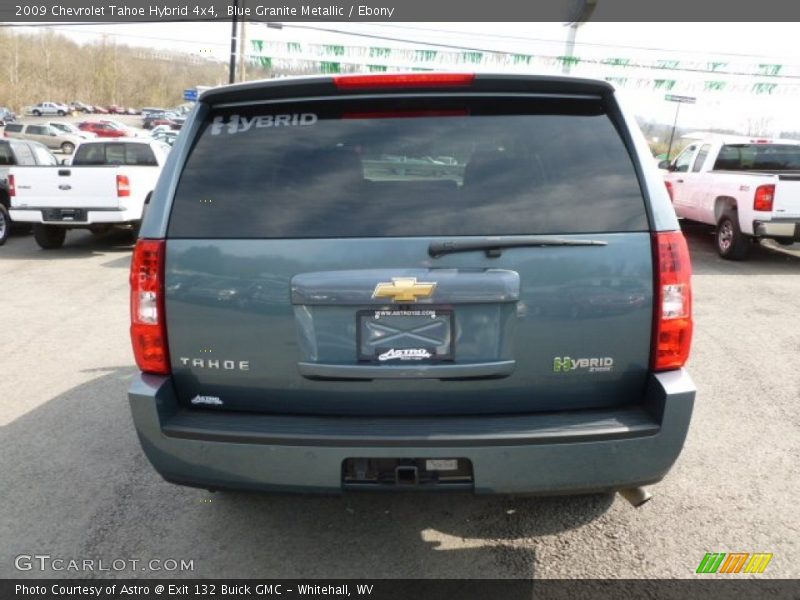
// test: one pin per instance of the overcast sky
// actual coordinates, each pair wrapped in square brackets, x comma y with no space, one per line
[738,44]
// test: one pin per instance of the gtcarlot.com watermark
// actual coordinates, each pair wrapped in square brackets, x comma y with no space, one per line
[46,562]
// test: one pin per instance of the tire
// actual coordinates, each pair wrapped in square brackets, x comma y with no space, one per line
[68,147]
[49,237]
[5,224]
[37,113]
[784,241]
[731,243]
[61,113]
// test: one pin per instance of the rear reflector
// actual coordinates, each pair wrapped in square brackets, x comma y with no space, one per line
[148,327]
[672,328]
[396,80]
[123,186]
[765,194]
[669,189]
[12,186]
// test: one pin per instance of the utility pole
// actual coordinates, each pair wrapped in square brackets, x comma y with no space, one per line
[232,64]
[584,13]
[242,44]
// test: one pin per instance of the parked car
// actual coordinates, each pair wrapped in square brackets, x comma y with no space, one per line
[99,110]
[394,343]
[102,129]
[6,116]
[149,110]
[82,107]
[48,108]
[115,109]
[127,129]
[108,184]
[17,153]
[152,122]
[167,136]
[749,188]
[53,138]
[69,128]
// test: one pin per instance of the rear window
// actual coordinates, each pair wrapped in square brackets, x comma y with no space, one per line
[115,154]
[402,168]
[6,156]
[14,127]
[753,157]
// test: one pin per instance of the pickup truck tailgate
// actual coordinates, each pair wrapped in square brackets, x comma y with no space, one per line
[67,187]
[787,196]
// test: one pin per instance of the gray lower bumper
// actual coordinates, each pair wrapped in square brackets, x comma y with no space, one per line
[783,229]
[569,452]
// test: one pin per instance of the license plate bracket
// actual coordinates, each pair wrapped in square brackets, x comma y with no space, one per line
[405,335]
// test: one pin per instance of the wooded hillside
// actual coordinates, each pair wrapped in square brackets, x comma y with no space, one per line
[51,67]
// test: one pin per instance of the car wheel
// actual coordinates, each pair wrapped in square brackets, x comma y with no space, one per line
[5,224]
[49,237]
[37,113]
[68,147]
[732,244]
[61,113]
[784,241]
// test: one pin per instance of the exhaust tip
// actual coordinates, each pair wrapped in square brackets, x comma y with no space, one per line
[637,496]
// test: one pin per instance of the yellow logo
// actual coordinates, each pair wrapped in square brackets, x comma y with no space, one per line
[404,289]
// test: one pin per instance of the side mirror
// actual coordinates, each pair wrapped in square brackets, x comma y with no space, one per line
[664,164]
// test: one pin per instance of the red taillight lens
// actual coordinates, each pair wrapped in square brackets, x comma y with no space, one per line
[406,80]
[672,330]
[669,189]
[123,186]
[765,194]
[12,186]
[148,327]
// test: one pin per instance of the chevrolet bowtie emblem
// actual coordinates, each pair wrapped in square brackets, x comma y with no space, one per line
[404,289]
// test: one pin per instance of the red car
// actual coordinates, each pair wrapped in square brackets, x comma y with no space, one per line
[116,110]
[102,129]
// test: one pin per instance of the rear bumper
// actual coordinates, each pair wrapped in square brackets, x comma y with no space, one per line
[93,216]
[569,452]
[788,229]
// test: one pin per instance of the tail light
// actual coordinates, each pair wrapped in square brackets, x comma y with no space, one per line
[765,194]
[123,186]
[148,326]
[669,190]
[672,329]
[12,186]
[403,80]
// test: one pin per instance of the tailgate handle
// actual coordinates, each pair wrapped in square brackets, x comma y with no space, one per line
[487,370]
[64,172]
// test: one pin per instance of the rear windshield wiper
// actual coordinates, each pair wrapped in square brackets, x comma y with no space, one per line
[494,248]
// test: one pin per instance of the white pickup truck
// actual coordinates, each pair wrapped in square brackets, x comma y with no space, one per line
[749,188]
[107,184]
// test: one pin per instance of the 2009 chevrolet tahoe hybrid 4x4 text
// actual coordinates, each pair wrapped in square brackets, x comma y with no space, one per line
[428,281]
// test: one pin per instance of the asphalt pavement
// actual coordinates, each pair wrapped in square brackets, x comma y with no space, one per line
[75,484]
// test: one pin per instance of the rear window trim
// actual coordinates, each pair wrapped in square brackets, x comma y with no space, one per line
[415,95]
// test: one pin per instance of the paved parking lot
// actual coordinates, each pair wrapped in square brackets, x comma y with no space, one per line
[75,484]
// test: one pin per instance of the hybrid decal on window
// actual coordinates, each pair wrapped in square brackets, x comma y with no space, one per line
[238,124]
[565,364]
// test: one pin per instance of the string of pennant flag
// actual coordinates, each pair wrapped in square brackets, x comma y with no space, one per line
[640,74]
